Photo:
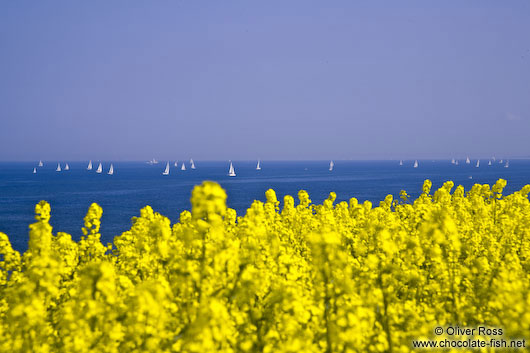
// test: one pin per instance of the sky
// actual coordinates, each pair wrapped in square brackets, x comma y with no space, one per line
[276,80]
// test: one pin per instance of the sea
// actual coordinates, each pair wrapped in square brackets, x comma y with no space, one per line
[137,184]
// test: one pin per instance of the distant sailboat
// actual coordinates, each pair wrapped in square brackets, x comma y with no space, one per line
[331,165]
[40,164]
[467,160]
[166,171]
[258,167]
[192,164]
[34,170]
[231,171]
[416,163]
[453,161]
[176,164]
[501,161]
[66,167]
[478,163]
[89,167]
[401,162]
[58,167]
[493,158]
[100,168]
[152,161]
[183,166]
[456,162]
[111,170]
[470,177]
[507,164]
[489,163]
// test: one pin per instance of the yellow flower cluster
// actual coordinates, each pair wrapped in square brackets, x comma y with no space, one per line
[344,277]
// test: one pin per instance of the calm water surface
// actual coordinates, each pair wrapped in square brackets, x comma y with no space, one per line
[136,184]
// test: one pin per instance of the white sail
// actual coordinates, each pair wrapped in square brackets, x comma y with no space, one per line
[231,170]
[66,167]
[258,167]
[89,167]
[58,167]
[456,162]
[34,170]
[166,171]
[501,161]
[40,164]
[111,170]
[176,164]
[467,160]
[192,163]
[183,167]
[416,164]
[489,163]
[100,168]
[331,165]
[478,163]
[401,162]
[507,164]
[493,158]
[453,161]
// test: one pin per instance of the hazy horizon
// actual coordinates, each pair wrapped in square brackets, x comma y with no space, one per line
[171,161]
[303,80]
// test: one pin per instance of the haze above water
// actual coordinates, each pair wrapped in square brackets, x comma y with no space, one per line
[219,80]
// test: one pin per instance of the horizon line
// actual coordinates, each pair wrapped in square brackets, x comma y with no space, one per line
[254,160]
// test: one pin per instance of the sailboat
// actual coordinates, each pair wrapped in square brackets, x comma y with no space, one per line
[501,161]
[258,167]
[489,163]
[166,171]
[111,170]
[456,162]
[183,166]
[192,164]
[453,161]
[231,171]
[40,164]
[100,168]
[467,160]
[58,167]
[176,164]
[331,165]
[507,164]
[34,170]
[478,163]
[401,162]
[66,167]
[416,163]
[89,167]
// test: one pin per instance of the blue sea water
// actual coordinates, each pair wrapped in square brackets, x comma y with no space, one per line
[137,184]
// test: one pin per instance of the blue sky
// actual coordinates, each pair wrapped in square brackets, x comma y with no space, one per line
[217,80]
